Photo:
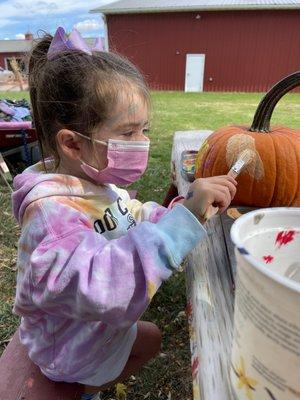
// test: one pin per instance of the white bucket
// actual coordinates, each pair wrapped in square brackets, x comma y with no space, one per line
[265,359]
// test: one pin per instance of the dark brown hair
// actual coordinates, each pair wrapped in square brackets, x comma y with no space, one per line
[76,90]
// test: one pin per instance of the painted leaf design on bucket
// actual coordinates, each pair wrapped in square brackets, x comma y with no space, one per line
[268,259]
[244,381]
[285,237]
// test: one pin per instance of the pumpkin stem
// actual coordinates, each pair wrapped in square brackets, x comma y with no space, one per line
[264,111]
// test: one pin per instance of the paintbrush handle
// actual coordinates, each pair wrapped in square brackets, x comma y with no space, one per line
[210,212]
[233,173]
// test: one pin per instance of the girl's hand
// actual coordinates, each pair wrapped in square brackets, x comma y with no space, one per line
[204,192]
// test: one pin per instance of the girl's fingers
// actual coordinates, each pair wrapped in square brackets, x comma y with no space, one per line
[221,199]
[231,179]
[232,189]
[225,190]
[226,178]
[226,183]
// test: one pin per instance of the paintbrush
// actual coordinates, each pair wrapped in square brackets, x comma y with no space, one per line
[243,160]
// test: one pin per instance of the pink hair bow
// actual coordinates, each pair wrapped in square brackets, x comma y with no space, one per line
[74,41]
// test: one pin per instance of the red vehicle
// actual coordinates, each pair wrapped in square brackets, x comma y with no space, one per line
[14,136]
[19,145]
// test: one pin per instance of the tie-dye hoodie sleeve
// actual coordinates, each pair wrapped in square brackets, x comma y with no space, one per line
[149,211]
[70,270]
[79,274]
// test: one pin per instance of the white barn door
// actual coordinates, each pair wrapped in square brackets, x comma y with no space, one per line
[194,72]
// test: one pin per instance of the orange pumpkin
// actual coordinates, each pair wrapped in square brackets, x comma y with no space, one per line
[273,178]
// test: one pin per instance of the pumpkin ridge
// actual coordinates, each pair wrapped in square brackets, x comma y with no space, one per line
[215,169]
[207,154]
[204,156]
[297,188]
[276,169]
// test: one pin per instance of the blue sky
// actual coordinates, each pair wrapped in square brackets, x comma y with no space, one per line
[20,16]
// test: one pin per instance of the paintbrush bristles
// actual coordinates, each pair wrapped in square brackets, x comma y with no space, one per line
[246,157]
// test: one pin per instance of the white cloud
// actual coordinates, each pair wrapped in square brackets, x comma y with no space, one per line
[16,11]
[31,8]
[20,36]
[6,38]
[89,25]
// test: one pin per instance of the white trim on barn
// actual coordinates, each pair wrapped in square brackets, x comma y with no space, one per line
[153,6]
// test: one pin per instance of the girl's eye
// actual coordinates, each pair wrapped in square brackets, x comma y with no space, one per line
[128,134]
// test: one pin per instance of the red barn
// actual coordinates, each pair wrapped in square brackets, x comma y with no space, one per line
[210,45]
[15,49]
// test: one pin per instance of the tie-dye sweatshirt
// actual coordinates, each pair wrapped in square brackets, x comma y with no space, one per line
[89,261]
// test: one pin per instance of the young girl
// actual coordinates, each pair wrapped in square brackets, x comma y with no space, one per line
[90,259]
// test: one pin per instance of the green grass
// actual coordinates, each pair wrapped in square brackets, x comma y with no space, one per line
[9,232]
[172,111]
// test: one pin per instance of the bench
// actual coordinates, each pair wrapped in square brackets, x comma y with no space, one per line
[21,379]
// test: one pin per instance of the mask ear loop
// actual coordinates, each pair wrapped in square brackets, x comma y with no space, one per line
[93,141]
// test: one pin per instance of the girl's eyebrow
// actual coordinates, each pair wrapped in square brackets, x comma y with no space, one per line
[133,124]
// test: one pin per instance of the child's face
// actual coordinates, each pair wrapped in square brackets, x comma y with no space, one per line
[129,121]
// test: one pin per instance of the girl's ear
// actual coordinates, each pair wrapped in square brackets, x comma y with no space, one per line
[69,144]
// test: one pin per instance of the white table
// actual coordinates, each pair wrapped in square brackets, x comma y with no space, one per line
[209,291]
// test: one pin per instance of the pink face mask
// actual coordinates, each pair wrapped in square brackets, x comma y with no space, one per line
[127,161]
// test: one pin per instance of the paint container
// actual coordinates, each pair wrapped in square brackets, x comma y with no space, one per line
[265,358]
[187,164]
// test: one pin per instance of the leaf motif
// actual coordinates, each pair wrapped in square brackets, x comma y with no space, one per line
[236,144]
[256,169]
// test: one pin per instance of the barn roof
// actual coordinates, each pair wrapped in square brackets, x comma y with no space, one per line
[23,45]
[15,46]
[149,6]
